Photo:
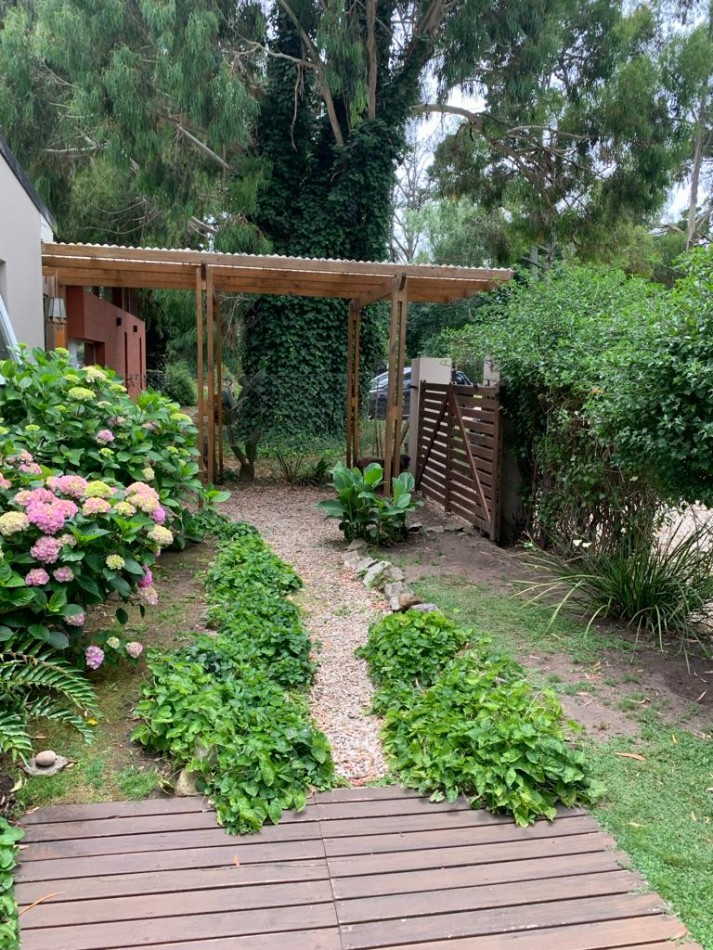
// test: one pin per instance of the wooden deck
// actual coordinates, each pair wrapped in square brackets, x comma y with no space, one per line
[358,869]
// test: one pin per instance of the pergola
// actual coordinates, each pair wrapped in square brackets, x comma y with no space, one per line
[208,273]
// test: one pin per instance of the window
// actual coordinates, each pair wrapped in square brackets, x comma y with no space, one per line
[8,340]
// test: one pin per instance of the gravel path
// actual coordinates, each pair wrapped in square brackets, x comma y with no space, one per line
[338,611]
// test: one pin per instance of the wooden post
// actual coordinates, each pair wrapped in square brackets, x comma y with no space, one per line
[353,370]
[219,386]
[394,399]
[199,354]
[210,366]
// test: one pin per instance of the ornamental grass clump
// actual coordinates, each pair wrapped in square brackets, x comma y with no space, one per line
[233,708]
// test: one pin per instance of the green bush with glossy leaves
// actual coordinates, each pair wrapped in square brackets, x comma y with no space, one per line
[365,513]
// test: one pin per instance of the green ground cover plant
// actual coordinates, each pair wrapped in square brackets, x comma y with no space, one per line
[9,929]
[233,708]
[408,651]
[362,511]
[471,724]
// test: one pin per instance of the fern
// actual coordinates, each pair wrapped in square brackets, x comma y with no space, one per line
[36,684]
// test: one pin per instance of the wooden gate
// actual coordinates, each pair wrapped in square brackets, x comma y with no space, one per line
[459,451]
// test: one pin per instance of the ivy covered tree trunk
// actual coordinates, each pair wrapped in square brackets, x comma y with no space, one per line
[323,199]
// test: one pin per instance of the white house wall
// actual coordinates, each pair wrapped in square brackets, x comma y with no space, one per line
[22,229]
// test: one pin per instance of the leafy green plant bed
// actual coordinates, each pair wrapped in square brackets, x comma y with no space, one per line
[470,724]
[362,511]
[233,708]
[9,931]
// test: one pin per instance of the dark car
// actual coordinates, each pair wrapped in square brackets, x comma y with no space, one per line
[379,388]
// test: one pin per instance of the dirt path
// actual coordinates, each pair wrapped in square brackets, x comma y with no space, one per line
[338,611]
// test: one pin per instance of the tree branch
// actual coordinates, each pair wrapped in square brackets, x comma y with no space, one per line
[372,55]
[201,146]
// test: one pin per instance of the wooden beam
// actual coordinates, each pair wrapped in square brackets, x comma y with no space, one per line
[353,370]
[199,355]
[219,387]
[378,293]
[394,400]
[210,374]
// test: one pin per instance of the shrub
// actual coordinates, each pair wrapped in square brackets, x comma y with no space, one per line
[406,651]
[68,542]
[9,928]
[362,512]
[82,420]
[179,385]
[220,707]
[657,589]
[482,731]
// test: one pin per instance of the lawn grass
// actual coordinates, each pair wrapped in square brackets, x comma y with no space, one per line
[112,768]
[659,810]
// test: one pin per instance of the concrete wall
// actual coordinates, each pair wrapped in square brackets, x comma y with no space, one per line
[22,229]
[119,337]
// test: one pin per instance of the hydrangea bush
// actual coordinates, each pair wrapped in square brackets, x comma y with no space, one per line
[67,542]
[82,420]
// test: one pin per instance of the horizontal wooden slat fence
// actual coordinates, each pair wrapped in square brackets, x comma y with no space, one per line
[459,451]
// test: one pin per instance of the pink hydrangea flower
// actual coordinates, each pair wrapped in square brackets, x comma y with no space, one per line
[76,621]
[50,517]
[95,506]
[94,657]
[5,483]
[27,497]
[134,649]
[73,485]
[159,516]
[148,596]
[105,436]
[64,575]
[37,577]
[147,579]
[68,539]
[31,468]
[46,549]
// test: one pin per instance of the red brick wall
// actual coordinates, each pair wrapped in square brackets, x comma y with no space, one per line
[119,337]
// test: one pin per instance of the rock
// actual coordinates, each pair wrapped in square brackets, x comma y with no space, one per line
[186,784]
[363,565]
[396,574]
[453,526]
[435,529]
[377,575]
[34,768]
[353,560]
[425,608]
[357,544]
[416,526]
[401,597]
[45,759]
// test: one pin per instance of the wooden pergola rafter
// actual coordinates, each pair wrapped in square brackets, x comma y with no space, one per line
[209,273]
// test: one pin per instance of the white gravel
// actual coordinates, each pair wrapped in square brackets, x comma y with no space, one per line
[338,610]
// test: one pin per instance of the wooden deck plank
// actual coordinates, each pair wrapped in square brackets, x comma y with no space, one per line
[634,933]
[422,821]
[108,936]
[467,856]
[69,867]
[499,920]
[171,881]
[101,810]
[145,906]
[453,837]
[308,940]
[456,899]
[445,878]
[329,811]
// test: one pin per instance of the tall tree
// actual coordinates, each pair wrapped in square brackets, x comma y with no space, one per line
[131,116]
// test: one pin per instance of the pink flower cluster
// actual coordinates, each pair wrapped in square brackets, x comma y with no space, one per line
[94,657]
[143,497]
[64,575]
[104,436]
[37,577]
[46,549]
[96,506]
[26,463]
[5,483]
[72,485]
[50,516]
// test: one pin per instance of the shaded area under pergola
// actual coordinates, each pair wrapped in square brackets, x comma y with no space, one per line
[208,273]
